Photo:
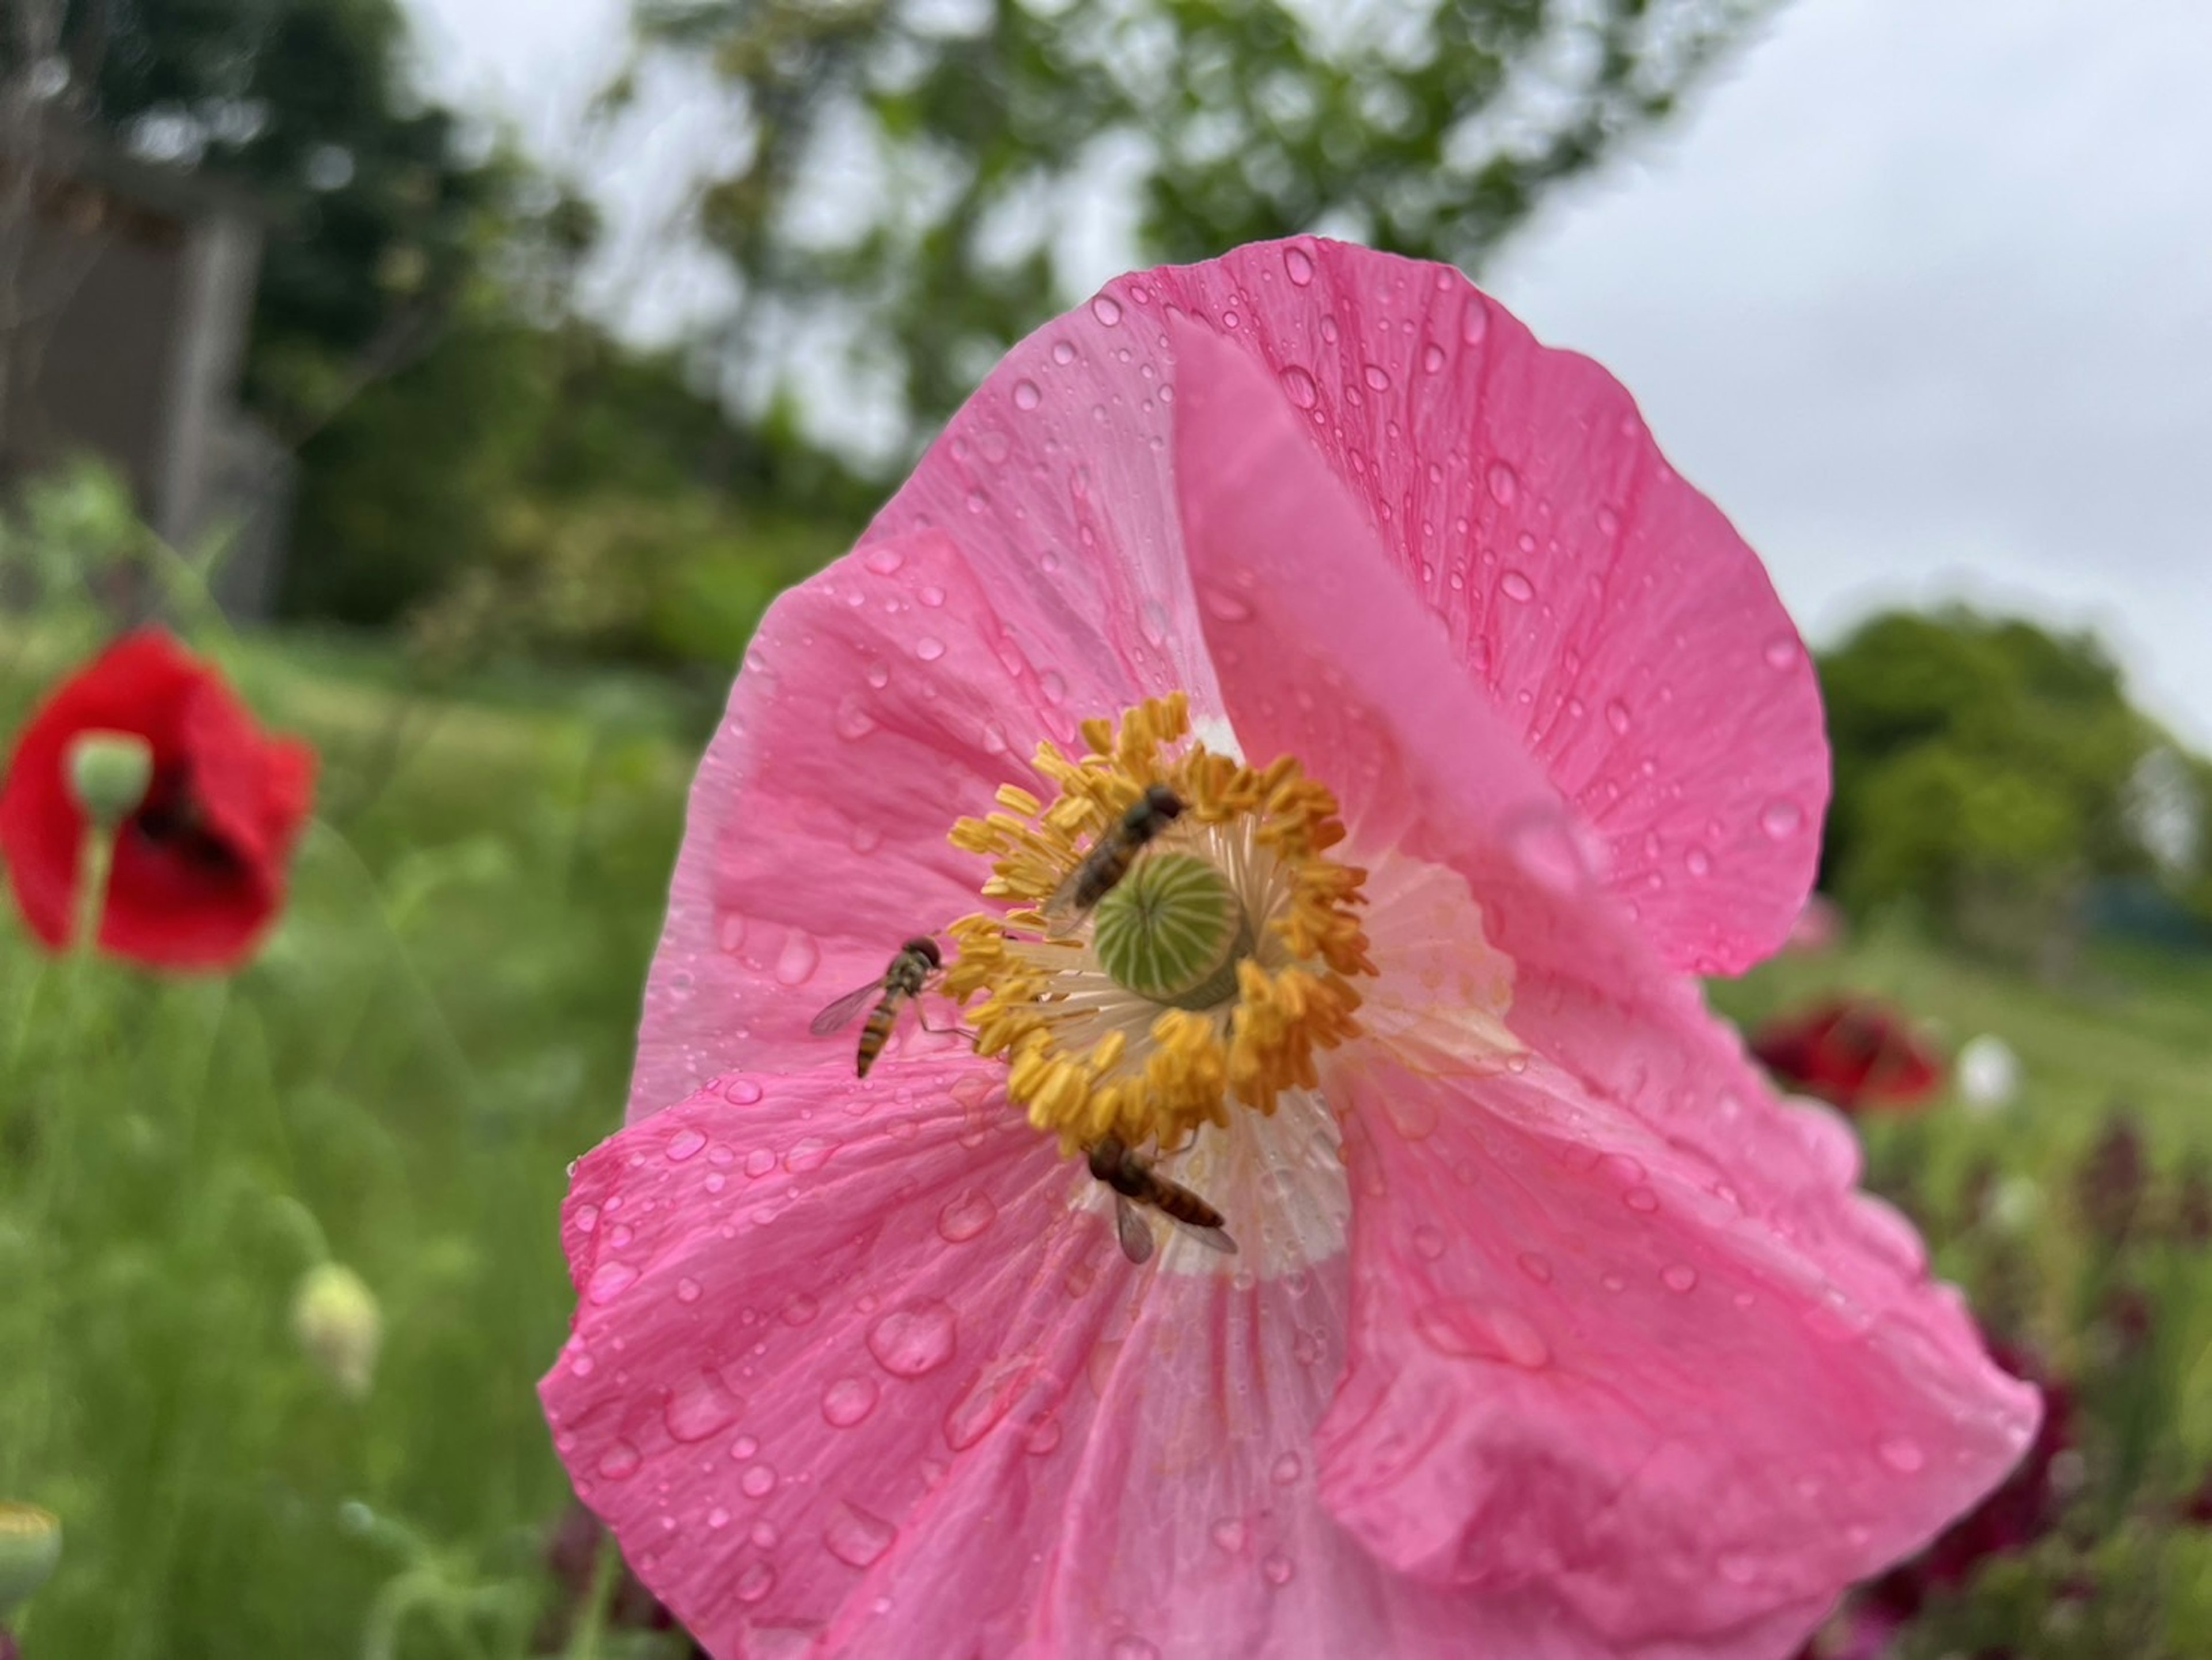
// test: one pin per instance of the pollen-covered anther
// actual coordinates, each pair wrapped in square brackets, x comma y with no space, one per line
[1175,939]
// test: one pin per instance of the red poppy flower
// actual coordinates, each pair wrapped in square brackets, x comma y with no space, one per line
[200,867]
[1852,1053]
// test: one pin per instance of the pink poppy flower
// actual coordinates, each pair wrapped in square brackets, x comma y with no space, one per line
[1549,1332]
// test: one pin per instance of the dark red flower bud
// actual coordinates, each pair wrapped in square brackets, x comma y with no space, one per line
[202,847]
[2109,1184]
[1854,1053]
[2192,1203]
[572,1553]
[2197,1508]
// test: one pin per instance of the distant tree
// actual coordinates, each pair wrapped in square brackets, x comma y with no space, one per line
[1986,769]
[378,208]
[917,161]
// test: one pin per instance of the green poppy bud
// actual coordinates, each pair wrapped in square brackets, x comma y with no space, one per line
[109,773]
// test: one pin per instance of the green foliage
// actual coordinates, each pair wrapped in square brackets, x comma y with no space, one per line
[916,162]
[444,1020]
[1985,771]
[376,213]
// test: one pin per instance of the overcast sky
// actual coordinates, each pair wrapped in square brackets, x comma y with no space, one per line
[1920,293]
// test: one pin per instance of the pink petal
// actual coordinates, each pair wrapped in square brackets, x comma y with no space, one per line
[848,1364]
[1584,1356]
[824,1332]
[1493,1427]
[880,701]
[1625,633]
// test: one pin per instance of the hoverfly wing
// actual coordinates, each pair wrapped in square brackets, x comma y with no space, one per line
[847,1009]
[1135,1232]
[1212,1239]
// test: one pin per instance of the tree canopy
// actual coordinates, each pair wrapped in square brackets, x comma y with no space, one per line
[1991,771]
[920,161]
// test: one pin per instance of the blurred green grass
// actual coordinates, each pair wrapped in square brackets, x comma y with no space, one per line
[443,1022]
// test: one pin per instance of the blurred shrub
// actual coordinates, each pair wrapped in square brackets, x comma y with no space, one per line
[1990,773]
[668,579]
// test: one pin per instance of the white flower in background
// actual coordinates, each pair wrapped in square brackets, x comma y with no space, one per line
[1989,1074]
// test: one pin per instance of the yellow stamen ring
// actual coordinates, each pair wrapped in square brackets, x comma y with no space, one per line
[1214,971]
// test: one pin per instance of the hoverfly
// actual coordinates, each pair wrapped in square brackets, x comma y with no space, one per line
[1109,861]
[910,971]
[1135,1182]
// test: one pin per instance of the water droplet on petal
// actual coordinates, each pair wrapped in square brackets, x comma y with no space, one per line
[1026,395]
[965,1216]
[1545,848]
[586,1218]
[756,1481]
[1063,352]
[741,1092]
[1107,309]
[718,1517]
[1641,1200]
[683,1144]
[1781,817]
[610,1281]
[1516,586]
[1432,357]
[1228,1535]
[1278,1568]
[847,1400]
[754,1581]
[1287,1470]
[1222,603]
[1536,1266]
[687,1290]
[1504,483]
[1679,1277]
[1429,1242]
[699,1407]
[1902,1454]
[883,561]
[915,1339]
[1298,266]
[759,1162]
[1474,321]
[1303,390]
[1616,717]
[1377,377]
[1698,862]
[929,649]
[1781,651]
[796,962]
[855,1537]
[619,1461]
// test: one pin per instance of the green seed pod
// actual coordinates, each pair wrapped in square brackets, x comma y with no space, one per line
[335,1318]
[30,1547]
[108,772]
[1173,930]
